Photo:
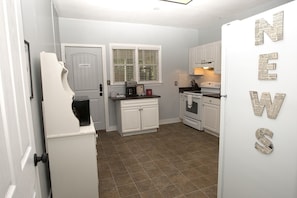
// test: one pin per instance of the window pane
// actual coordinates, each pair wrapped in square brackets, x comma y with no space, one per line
[130,73]
[124,63]
[119,73]
[148,73]
[148,61]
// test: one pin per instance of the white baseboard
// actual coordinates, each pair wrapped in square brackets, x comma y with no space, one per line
[111,128]
[170,121]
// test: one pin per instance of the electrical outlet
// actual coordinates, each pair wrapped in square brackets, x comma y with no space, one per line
[175,83]
[108,82]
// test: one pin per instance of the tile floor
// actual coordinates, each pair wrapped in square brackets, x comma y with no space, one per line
[177,161]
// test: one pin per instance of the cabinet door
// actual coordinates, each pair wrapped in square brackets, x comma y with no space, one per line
[191,60]
[149,117]
[195,58]
[199,55]
[73,165]
[211,117]
[210,51]
[217,59]
[130,119]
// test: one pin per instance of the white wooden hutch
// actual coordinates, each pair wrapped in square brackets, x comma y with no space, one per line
[71,148]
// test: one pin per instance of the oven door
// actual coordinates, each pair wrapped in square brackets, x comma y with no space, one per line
[193,111]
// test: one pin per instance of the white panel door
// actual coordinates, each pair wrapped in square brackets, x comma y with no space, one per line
[17,171]
[85,78]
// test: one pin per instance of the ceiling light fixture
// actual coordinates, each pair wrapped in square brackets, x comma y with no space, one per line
[185,2]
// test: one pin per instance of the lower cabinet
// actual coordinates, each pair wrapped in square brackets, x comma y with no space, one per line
[211,115]
[130,119]
[135,116]
[73,164]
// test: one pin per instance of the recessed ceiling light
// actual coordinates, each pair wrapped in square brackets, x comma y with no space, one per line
[179,1]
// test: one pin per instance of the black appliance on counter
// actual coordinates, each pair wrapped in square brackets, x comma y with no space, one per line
[194,85]
[131,88]
[81,109]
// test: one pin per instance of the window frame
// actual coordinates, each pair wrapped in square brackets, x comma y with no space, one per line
[135,47]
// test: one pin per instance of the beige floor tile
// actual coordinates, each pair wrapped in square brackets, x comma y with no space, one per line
[151,194]
[123,180]
[161,182]
[196,194]
[139,176]
[113,193]
[170,191]
[128,190]
[177,161]
[145,185]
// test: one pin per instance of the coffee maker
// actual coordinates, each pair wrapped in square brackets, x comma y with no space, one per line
[131,88]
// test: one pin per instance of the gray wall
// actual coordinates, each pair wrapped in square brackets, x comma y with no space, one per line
[175,43]
[39,32]
[213,32]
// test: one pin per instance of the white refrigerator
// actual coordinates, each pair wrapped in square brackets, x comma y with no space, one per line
[258,139]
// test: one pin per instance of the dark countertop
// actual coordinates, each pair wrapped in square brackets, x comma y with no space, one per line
[134,97]
[213,95]
[182,89]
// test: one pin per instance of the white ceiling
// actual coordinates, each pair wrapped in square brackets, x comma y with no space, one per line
[197,14]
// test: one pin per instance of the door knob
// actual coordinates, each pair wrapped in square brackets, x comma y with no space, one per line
[43,158]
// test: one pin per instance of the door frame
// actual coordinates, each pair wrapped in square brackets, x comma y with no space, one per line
[104,74]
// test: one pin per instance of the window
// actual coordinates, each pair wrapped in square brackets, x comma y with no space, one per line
[138,63]
[124,64]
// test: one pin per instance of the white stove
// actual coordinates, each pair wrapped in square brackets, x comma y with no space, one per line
[193,104]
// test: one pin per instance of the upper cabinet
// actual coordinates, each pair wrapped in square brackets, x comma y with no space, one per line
[208,55]
[217,61]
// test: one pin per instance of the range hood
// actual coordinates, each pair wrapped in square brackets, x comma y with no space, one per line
[205,65]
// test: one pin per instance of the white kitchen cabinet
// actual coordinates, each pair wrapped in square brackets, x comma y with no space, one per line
[211,115]
[136,116]
[73,164]
[192,54]
[71,148]
[208,52]
[217,55]
[127,114]
[204,56]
